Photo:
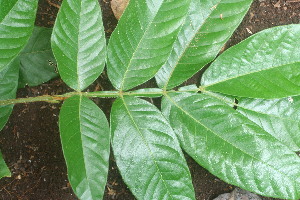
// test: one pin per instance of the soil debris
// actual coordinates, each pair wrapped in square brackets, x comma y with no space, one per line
[118,7]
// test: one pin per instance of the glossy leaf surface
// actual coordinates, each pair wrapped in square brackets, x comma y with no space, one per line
[4,171]
[232,147]
[266,65]
[8,88]
[279,117]
[37,63]
[143,40]
[78,42]
[85,140]
[206,29]
[16,25]
[147,152]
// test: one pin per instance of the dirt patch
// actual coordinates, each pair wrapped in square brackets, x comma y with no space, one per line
[30,141]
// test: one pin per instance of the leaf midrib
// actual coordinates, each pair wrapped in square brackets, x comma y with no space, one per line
[188,44]
[252,72]
[77,54]
[82,147]
[138,46]
[149,150]
[249,41]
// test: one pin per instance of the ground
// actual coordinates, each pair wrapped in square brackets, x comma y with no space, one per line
[30,141]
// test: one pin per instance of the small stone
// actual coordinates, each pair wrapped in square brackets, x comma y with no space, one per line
[238,194]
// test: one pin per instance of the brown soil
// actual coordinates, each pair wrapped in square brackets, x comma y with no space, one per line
[30,141]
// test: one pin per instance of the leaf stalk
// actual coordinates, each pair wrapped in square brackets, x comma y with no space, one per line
[148,92]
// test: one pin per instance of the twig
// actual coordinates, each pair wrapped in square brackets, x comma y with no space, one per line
[53,4]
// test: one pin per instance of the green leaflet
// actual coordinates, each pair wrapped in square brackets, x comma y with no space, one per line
[85,140]
[8,88]
[4,171]
[37,61]
[147,152]
[206,29]
[232,147]
[143,40]
[16,25]
[279,117]
[266,65]
[78,42]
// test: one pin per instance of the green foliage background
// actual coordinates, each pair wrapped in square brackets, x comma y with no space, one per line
[240,121]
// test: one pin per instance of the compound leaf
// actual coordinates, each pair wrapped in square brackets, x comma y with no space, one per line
[279,117]
[78,42]
[266,65]
[85,140]
[4,171]
[206,29]
[37,63]
[147,152]
[143,40]
[8,89]
[16,24]
[232,147]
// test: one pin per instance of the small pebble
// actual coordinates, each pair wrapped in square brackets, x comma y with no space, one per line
[238,194]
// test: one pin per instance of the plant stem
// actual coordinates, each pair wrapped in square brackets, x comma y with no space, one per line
[147,92]
[47,98]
